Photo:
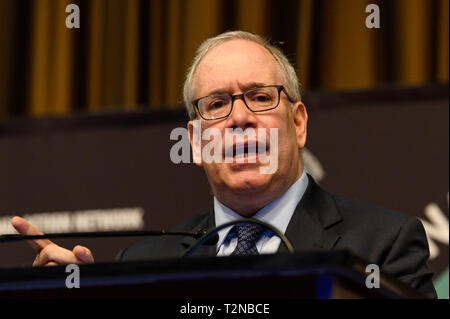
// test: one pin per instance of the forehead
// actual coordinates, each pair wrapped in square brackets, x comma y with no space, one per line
[232,66]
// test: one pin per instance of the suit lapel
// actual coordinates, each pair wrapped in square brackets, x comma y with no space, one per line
[312,224]
[206,249]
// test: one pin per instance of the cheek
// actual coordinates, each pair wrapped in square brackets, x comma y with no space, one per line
[286,135]
[288,149]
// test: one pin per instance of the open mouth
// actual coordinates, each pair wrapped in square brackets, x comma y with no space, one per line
[245,152]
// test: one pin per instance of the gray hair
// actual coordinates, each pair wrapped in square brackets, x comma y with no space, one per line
[286,68]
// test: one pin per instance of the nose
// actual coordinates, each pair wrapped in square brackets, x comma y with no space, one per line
[241,116]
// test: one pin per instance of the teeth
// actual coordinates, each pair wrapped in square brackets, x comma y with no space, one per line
[243,155]
[241,151]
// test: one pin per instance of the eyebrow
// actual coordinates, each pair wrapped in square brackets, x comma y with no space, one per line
[243,87]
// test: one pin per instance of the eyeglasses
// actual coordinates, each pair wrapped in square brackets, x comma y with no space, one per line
[258,99]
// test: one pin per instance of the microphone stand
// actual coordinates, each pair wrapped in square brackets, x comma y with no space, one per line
[17,237]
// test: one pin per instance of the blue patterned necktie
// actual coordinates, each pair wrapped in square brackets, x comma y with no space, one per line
[248,235]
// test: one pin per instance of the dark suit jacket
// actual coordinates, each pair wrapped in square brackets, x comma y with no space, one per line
[396,242]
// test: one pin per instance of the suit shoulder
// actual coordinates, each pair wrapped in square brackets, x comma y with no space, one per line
[352,208]
[372,222]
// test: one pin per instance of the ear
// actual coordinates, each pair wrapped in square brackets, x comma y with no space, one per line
[300,121]
[195,131]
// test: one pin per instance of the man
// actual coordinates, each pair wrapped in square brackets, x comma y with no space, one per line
[240,81]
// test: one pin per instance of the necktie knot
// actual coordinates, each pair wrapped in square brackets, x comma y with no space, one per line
[248,235]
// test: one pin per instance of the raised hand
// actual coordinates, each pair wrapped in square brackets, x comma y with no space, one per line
[48,253]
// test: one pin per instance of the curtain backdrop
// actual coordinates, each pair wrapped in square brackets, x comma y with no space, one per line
[130,54]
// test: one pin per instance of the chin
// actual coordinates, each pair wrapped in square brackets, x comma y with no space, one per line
[247,183]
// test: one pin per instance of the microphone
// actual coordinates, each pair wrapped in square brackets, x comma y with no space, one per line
[197,234]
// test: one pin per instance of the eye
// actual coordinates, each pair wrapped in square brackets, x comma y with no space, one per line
[216,104]
[261,98]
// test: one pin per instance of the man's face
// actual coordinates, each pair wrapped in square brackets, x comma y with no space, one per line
[234,67]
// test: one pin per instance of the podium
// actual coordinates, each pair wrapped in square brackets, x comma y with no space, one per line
[308,275]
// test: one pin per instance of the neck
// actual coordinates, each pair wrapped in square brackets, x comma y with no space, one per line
[254,201]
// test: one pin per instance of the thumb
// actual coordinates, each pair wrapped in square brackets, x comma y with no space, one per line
[83,254]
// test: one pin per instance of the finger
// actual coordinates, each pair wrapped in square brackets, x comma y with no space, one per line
[25,228]
[56,254]
[83,254]
[52,263]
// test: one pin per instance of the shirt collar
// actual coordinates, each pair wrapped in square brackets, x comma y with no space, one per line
[278,213]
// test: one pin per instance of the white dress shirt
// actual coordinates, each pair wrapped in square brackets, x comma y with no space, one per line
[278,213]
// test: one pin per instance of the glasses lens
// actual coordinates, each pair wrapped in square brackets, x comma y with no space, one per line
[263,98]
[214,106]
